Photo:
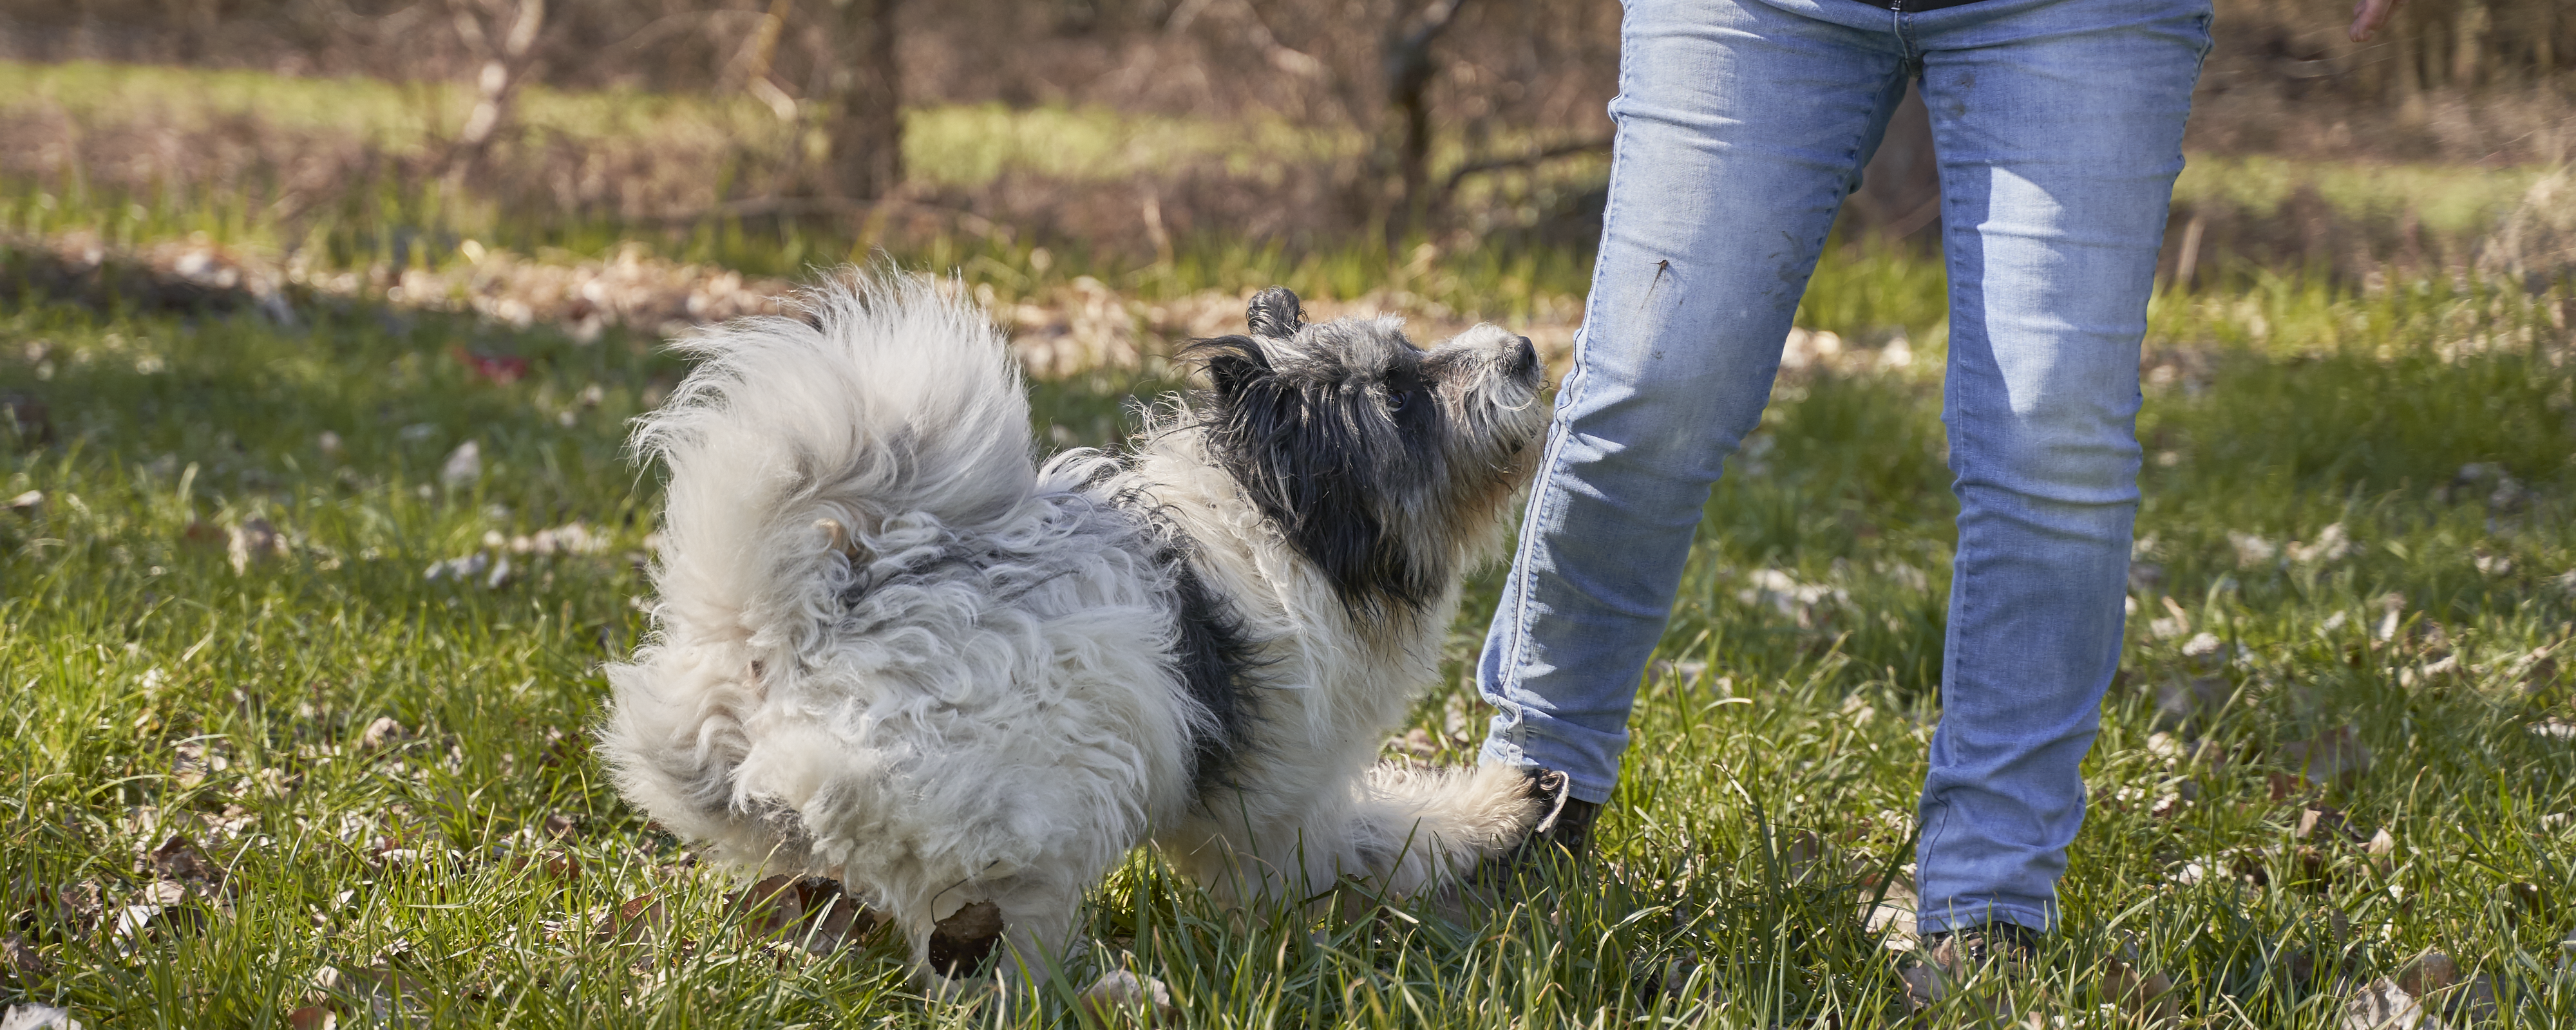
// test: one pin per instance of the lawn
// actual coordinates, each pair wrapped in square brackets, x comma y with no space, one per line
[300,625]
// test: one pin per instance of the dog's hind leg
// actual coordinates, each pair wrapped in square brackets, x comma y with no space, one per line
[1418,829]
[1400,832]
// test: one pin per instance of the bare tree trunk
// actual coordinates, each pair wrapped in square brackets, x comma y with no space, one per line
[505,66]
[1408,70]
[866,127]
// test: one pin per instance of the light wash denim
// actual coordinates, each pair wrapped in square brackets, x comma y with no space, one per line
[1741,126]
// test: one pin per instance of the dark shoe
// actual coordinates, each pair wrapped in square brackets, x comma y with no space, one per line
[1563,832]
[1565,823]
[1995,955]
[2010,943]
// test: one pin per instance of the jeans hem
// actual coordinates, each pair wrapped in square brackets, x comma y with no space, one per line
[1969,917]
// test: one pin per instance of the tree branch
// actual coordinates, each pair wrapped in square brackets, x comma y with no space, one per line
[1496,164]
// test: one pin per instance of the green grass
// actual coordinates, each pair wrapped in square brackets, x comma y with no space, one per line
[952,144]
[1767,727]
[147,687]
[2443,198]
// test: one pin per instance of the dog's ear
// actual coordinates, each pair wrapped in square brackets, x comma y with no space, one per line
[1232,362]
[1275,312]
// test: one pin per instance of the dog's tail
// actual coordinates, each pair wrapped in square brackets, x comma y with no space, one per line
[802,452]
[887,414]
[1417,829]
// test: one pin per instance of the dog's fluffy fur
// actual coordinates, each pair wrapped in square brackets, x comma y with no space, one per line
[892,648]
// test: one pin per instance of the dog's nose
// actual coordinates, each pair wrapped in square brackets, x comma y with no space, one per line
[1524,356]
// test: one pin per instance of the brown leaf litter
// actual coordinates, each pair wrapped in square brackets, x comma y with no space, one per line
[1066,329]
[812,912]
[383,731]
[32,1016]
[2428,991]
[2002,992]
[255,541]
[636,920]
[179,859]
[19,956]
[186,892]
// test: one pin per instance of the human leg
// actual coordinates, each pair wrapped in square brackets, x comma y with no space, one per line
[2059,130]
[1742,125]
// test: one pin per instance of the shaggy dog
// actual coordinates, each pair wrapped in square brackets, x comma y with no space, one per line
[893,649]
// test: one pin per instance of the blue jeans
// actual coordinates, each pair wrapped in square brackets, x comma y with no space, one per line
[1742,124]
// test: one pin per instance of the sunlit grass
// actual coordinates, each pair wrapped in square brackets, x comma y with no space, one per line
[1776,724]
[2444,198]
[147,687]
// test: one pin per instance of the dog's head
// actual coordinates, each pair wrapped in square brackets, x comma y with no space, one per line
[1385,464]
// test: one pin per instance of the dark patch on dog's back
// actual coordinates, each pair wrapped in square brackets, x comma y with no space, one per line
[1215,657]
[1213,653]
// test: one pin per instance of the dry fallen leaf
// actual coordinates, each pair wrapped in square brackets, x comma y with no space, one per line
[2325,823]
[254,542]
[179,859]
[769,907]
[2427,985]
[2149,996]
[844,920]
[812,911]
[81,904]
[312,1017]
[463,466]
[1683,988]
[1892,916]
[38,1017]
[637,920]
[21,958]
[2380,1005]
[2426,973]
[381,732]
[1124,993]
[1419,743]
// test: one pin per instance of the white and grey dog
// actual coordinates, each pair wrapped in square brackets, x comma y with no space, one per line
[892,648]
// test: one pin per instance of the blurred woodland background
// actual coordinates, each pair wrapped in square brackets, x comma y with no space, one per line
[1134,132]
